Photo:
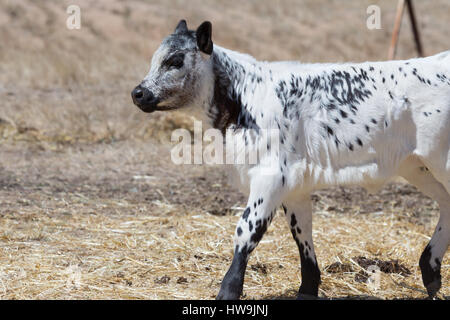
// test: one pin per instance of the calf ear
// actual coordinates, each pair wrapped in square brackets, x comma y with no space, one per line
[203,34]
[181,27]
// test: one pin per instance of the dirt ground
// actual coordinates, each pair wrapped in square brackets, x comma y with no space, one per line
[91,207]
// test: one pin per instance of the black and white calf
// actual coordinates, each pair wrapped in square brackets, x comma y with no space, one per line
[358,123]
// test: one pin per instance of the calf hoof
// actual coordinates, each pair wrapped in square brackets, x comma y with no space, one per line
[227,295]
[431,275]
[433,287]
[305,296]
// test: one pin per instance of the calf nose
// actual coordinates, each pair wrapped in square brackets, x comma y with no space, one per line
[140,95]
[144,99]
[137,93]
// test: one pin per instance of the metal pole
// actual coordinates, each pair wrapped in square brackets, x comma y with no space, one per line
[415,29]
[396,30]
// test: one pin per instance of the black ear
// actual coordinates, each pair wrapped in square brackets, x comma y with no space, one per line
[181,27]
[203,34]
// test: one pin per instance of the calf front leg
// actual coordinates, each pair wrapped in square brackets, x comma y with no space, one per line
[261,207]
[298,213]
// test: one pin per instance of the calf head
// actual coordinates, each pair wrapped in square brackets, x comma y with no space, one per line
[179,71]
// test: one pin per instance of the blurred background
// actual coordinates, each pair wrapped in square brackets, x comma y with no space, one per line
[91,205]
[77,82]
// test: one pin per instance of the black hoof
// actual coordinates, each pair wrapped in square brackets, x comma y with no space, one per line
[433,287]
[431,276]
[227,296]
[305,296]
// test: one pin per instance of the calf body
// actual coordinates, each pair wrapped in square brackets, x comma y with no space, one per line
[338,124]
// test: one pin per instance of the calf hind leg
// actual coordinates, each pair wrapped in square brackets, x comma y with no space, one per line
[298,214]
[430,261]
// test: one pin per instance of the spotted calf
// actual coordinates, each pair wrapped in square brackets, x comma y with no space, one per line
[359,123]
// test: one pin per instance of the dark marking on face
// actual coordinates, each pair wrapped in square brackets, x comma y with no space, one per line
[239,231]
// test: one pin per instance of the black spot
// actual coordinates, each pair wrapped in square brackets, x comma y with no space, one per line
[367,128]
[239,231]
[299,231]
[350,146]
[343,113]
[358,140]
[336,141]
[250,226]
[246,213]
[293,220]
[260,229]
[374,121]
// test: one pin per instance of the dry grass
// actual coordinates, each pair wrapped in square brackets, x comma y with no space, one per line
[85,253]
[90,205]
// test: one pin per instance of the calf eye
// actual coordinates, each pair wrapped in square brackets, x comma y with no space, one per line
[175,61]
